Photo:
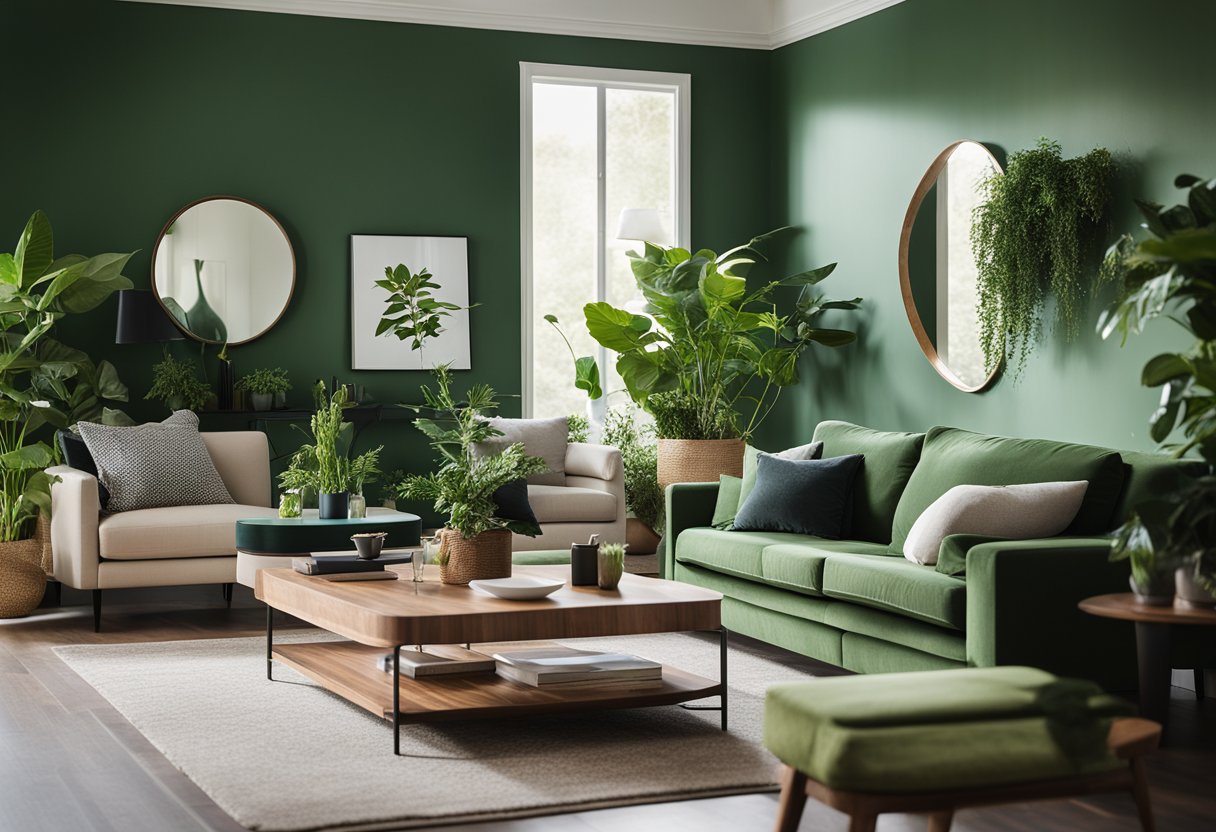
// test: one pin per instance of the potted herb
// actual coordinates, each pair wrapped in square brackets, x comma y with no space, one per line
[475,543]
[264,386]
[640,459]
[1171,273]
[37,292]
[1030,237]
[710,357]
[177,385]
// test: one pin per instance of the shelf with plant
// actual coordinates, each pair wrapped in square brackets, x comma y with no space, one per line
[43,382]
[177,384]
[710,356]
[1032,236]
[1170,273]
[264,386]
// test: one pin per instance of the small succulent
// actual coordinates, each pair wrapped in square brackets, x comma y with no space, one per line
[613,551]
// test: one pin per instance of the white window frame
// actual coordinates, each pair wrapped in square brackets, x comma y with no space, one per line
[672,82]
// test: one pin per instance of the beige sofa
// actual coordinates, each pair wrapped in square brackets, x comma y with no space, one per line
[592,501]
[158,546]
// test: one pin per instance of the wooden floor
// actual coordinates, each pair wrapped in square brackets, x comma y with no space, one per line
[69,761]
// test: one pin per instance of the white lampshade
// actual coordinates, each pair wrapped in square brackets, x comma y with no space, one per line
[641,224]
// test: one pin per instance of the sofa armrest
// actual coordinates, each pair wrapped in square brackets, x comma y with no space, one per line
[1022,598]
[75,512]
[689,504]
[600,462]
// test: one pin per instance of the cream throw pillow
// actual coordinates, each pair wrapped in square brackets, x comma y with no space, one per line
[1015,512]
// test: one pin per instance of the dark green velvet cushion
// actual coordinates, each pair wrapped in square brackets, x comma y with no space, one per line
[727,505]
[889,461]
[939,730]
[809,496]
[751,456]
[958,457]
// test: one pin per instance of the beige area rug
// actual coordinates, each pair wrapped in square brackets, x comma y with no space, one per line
[288,755]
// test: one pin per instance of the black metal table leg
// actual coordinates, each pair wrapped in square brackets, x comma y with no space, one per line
[269,641]
[397,700]
[1153,657]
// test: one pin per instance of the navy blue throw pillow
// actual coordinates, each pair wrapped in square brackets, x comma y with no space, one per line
[512,502]
[76,455]
[806,496]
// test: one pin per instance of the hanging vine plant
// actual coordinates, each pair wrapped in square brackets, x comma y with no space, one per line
[1031,237]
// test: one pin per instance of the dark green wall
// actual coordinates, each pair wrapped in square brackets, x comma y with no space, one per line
[863,109]
[120,113]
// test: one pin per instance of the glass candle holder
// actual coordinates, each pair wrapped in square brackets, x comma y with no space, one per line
[289,504]
[422,557]
[356,507]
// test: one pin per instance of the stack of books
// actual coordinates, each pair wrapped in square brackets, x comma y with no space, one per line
[439,660]
[561,668]
[348,567]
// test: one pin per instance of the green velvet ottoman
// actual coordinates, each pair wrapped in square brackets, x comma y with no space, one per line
[541,557]
[939,740]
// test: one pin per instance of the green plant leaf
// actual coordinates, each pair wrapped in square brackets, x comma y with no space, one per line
[1186,246]
[617,329]
[109,385]
[1163,368]
[8,270]
[37,455]
[587,376]
[719,289]
[808,278]
[34,252]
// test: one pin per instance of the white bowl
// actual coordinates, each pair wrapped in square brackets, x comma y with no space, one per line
[521,588]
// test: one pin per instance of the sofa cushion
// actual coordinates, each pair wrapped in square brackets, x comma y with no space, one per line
[958,457]
[894,584]
[751,459]
[780,559]
[811,496]
[568,504]
[545,438]
[727,504]
[174,532]
[889,461]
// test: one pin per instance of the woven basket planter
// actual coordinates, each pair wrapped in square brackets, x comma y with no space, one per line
[22,581]
[480,558]
[699,460]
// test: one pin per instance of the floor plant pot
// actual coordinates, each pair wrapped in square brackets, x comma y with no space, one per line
[1189,590]
[24,565]
[699,460]
[488,555]
[261,401]
[642,539]
[334,506]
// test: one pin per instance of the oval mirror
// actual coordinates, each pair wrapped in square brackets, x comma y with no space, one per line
[937,272]
[224,270]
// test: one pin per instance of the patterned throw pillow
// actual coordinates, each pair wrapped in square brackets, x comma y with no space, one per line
[155,465]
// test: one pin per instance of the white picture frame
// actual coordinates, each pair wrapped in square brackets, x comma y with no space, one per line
[447,258]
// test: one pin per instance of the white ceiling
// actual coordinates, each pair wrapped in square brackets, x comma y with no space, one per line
[751,24]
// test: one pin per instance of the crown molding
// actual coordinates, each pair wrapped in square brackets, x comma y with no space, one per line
[805,25]
[768,24]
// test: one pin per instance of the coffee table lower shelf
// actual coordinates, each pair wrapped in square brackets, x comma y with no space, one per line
[349,670]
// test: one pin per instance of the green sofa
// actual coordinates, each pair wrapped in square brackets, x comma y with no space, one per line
[859,604]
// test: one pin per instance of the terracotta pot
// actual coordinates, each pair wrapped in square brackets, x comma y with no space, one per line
[699,460]
[488,555]
[642,539]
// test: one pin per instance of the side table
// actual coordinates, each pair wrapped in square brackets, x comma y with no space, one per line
[268,542]
[1154,629]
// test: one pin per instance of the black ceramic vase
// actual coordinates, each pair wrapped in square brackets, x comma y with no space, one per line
[334,506]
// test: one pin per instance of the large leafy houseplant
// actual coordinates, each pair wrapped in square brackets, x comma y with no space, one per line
[1171,273]
[710,357]
[41,381]
[1030,236]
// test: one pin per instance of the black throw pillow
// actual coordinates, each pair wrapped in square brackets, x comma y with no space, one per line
[512,502]
[810,496]
[76,455]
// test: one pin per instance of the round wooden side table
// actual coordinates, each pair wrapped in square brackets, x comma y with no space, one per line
[1154,626]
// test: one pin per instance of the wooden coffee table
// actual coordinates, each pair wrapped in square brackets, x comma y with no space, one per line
[379,616]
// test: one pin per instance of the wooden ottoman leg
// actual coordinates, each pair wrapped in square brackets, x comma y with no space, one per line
[793,799]
[941,821]
[1144,803]
[862,822]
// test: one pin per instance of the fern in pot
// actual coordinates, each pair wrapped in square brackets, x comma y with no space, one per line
[265,387]
[475,543]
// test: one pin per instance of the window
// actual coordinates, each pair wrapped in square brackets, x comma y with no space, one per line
[593,143]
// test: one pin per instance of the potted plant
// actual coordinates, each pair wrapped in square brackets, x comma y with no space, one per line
[324,464]
[640,459]
[710,357]
[363,470]
[1172,273]
[1030,237]
[36,292]
[177,385]
[475,543]
[264,386]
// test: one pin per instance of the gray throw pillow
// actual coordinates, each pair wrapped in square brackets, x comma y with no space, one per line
[809,496]
[155,465]
[545,438]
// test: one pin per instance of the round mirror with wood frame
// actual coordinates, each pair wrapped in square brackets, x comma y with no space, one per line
[937,271]
[224,270]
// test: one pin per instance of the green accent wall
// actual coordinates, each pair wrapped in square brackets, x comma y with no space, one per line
[861,111]
[120,113]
